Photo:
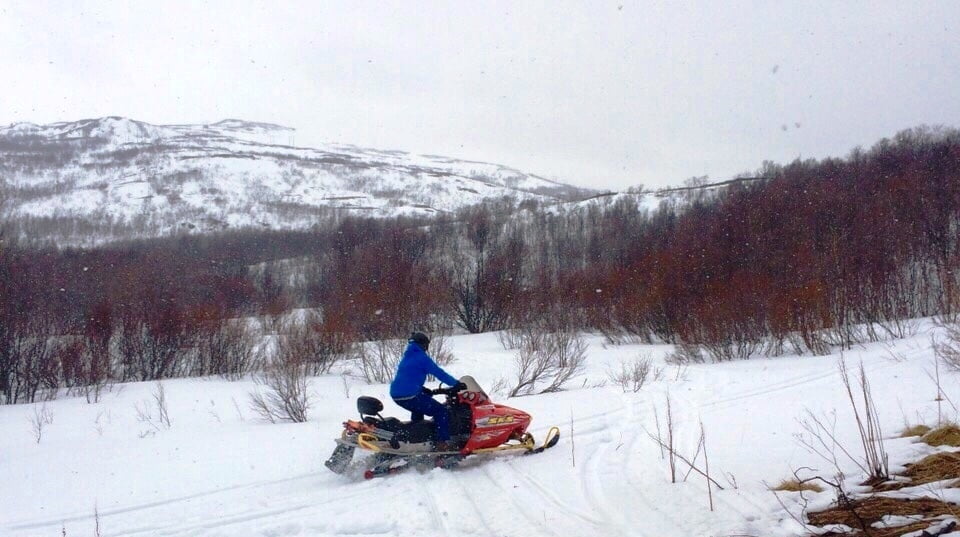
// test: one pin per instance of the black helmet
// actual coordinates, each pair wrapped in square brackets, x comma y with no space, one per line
[420,339]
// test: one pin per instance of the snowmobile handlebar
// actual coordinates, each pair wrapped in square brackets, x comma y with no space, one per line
[445,391]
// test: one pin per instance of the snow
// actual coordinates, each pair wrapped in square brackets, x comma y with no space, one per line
[219,471]
[246,172]
[934,528]
[895,521]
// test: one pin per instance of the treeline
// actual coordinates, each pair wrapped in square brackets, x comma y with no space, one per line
[810,255]
[813,255]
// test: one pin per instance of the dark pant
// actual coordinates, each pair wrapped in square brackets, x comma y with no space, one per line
[425,404]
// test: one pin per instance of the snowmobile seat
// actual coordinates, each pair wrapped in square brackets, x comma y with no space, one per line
[417,431]
[369,406]
[409,431]
[391,424]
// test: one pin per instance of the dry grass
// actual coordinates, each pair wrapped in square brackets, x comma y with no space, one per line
[874,508]
[916,430]
[936,467]
[861,513]
[948,435]
[794,485]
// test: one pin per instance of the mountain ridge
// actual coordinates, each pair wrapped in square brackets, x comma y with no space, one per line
[233,174]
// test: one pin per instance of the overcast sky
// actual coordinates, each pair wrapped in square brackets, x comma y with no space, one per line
[604,95]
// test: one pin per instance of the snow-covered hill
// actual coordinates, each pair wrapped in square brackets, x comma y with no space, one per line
[233,173]
[219,471]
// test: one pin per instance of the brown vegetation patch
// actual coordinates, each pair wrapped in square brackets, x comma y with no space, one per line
[948,435]
[795,485]
[936,467]
[916,430]
[859,513]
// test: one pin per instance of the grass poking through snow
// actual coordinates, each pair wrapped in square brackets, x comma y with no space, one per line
[948,435]
[793,485]
[936,467]
[916,430]
[872,509]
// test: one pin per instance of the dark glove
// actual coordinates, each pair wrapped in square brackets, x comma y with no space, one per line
[426,390]
[460,387]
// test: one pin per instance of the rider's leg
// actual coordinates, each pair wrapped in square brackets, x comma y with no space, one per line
[425,404]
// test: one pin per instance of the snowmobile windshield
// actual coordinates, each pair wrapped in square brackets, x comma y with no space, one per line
[473,386]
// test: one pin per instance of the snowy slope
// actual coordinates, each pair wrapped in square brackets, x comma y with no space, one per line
[217,471]
[233,173]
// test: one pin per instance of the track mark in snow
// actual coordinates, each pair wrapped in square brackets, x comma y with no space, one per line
[549,497]
[794,382]
[507,512]
[544,499]
[770,388]
[26,525]
[435,513]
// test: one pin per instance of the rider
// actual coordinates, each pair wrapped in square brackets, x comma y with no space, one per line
[407,388]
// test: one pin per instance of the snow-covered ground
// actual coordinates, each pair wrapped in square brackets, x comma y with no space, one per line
[219,471]
[234,174]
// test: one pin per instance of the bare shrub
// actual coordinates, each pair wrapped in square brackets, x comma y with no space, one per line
[548,360]
[667,445]
[868,424]
[510,338]
[947,347]
[85,368]
[153,349]
[27,372]
[378,359]
[226,348]
[533,364]
[501,386]
[439,350]
[282,393]
[821,438]
[313,344]
[160,400]
[39,420]
[739,347]
[154,413]
[632,374]
[685,354]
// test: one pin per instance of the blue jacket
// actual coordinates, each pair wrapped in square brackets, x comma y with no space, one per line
[412,372]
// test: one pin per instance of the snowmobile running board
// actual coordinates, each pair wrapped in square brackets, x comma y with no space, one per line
[449,459]
[528,444]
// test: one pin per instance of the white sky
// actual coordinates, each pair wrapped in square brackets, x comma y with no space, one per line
[603,95]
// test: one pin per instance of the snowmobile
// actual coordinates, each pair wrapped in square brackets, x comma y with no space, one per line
[477,426]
